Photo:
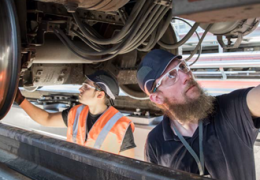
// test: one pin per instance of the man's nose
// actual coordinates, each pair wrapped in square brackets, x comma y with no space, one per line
[80,89]
[185,77]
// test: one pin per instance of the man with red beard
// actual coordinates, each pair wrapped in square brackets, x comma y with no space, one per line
[201,134]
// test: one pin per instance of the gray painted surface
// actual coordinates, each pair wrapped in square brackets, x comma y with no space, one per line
[17,117]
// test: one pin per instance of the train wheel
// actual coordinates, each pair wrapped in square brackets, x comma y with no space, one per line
[9,55]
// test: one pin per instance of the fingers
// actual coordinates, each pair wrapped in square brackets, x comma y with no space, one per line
[19,98]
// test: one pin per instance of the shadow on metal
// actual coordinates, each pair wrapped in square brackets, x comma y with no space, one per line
[40,157]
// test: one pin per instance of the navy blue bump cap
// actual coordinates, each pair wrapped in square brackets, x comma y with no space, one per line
[152,67]
[106,82]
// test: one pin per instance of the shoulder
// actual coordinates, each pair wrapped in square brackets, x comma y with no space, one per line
[156,135]
[240,93]
[123,117]
[235,99]
[74,108]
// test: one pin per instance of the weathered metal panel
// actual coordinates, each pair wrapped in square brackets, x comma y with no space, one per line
[210,11]
[41,157]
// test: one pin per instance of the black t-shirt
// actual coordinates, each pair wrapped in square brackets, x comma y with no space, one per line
[228,139]
[128,141]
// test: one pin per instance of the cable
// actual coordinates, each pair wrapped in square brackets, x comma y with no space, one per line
[182,41]
[146,20]
[89,43]
[113,40]
[80,55]
[149,22]
[119,46]
[198,45]
[161,29]
[198,39]
[149,29]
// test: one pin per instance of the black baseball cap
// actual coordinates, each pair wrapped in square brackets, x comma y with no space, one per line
[152,67]
[106,82]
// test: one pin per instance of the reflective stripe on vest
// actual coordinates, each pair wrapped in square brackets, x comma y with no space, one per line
[75,124]
[103,134]
[106,134]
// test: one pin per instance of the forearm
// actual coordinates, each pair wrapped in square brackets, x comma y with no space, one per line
[41,116]
[37,114]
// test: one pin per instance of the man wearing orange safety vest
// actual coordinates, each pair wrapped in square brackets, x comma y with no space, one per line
[93,123]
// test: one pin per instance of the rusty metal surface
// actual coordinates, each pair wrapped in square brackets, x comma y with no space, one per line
[210,11]
[99,5]
[41,157]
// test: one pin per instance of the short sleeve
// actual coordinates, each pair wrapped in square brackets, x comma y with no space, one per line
[128,141]
[65,114]
[236,113]
[149,153]
[257,122]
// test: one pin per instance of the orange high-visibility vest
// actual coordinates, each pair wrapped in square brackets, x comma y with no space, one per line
[106,134]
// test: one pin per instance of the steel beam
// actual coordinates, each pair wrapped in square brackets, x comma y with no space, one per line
[210,11]
[42,157]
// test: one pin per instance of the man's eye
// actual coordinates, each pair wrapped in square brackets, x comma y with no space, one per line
[171,76]
[182,66]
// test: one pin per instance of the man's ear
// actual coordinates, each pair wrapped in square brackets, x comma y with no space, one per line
[157,98]
[100,94]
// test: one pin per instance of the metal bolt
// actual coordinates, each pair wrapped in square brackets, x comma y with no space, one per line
[36,80]
[63,72]
[39,72]
[71,7]
[60,79]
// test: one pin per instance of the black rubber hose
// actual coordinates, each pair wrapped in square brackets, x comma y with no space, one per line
[182,41]
[161,29]
[154,40]
[114,50]
[156,20]
[75,51]
[200,50]
[155,11]
[87,52]
[156,27]
[92,45]
[166,24]
[117,37]
[150,41]
[117,47]
[198,45]
[92,30]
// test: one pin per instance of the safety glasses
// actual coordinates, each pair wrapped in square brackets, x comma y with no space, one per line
[87,86]
[171,77]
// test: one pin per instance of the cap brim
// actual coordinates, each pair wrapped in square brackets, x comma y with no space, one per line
[149,83]
[92,78]
[169,62]
[102,85]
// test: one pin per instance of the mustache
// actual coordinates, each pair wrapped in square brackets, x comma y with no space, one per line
[190,83]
